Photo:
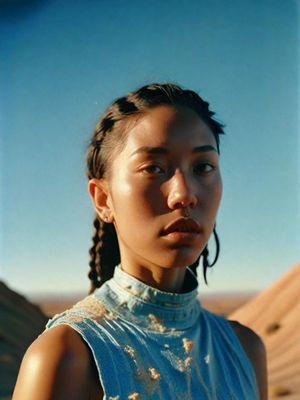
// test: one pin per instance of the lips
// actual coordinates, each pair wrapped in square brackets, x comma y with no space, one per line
[184,225]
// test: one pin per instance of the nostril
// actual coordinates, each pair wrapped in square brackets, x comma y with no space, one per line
[182,201]
[181,192]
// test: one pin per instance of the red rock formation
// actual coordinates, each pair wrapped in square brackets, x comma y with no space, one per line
[20,323]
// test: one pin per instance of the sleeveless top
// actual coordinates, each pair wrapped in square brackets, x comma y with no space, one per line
[150,344]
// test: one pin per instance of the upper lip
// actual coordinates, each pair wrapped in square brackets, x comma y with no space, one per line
[182,225]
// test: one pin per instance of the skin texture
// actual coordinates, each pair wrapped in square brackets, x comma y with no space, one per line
[256,352]
[168,168]
[58,366]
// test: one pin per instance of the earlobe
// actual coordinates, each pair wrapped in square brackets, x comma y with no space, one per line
[99,193]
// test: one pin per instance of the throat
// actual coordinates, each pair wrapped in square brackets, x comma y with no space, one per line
[166,280]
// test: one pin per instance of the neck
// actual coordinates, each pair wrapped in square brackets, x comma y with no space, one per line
[164,279]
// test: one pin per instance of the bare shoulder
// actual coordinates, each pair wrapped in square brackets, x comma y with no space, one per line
[57,365]
[248,338]
[256,352]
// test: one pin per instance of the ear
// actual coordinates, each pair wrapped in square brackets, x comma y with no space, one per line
[99,193]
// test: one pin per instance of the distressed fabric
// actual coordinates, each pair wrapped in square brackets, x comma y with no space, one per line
[149,344]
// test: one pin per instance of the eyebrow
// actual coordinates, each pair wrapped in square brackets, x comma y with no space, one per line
[163,150]
[204,149]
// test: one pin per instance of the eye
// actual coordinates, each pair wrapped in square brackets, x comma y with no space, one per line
[153,169]
[203,168]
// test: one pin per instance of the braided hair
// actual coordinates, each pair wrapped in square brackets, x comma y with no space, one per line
[109,137]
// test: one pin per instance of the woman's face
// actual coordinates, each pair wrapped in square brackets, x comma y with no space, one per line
[164,189]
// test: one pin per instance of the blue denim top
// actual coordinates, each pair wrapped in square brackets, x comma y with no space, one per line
[149,344]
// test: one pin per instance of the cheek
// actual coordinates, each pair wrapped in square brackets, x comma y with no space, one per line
[132,200]
[214,195]
[219,190]
[153,199]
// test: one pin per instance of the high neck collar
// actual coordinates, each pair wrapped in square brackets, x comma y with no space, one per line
[148,307]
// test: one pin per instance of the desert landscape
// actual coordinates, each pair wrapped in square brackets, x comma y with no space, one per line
[274,314]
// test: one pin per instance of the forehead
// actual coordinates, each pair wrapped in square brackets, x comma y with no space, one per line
[169,126]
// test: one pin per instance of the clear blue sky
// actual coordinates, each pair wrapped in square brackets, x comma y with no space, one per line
[61,64]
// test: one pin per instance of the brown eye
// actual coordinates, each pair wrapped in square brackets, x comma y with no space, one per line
[153,169]
[203,168]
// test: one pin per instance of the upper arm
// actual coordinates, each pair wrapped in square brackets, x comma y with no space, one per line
[256,352]
[56,366]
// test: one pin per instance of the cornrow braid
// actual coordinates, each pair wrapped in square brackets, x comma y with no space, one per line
[93,273]
[109,137]
[103,253]
[170,94]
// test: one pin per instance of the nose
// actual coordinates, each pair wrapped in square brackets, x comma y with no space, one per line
[181,193]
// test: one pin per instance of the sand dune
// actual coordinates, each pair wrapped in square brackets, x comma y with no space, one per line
[275,315]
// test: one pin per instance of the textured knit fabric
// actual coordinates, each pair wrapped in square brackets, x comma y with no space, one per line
[149,344]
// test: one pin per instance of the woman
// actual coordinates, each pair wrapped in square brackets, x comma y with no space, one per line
[154,180]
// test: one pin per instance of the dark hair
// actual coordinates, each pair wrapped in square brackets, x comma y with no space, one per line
[109,136]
